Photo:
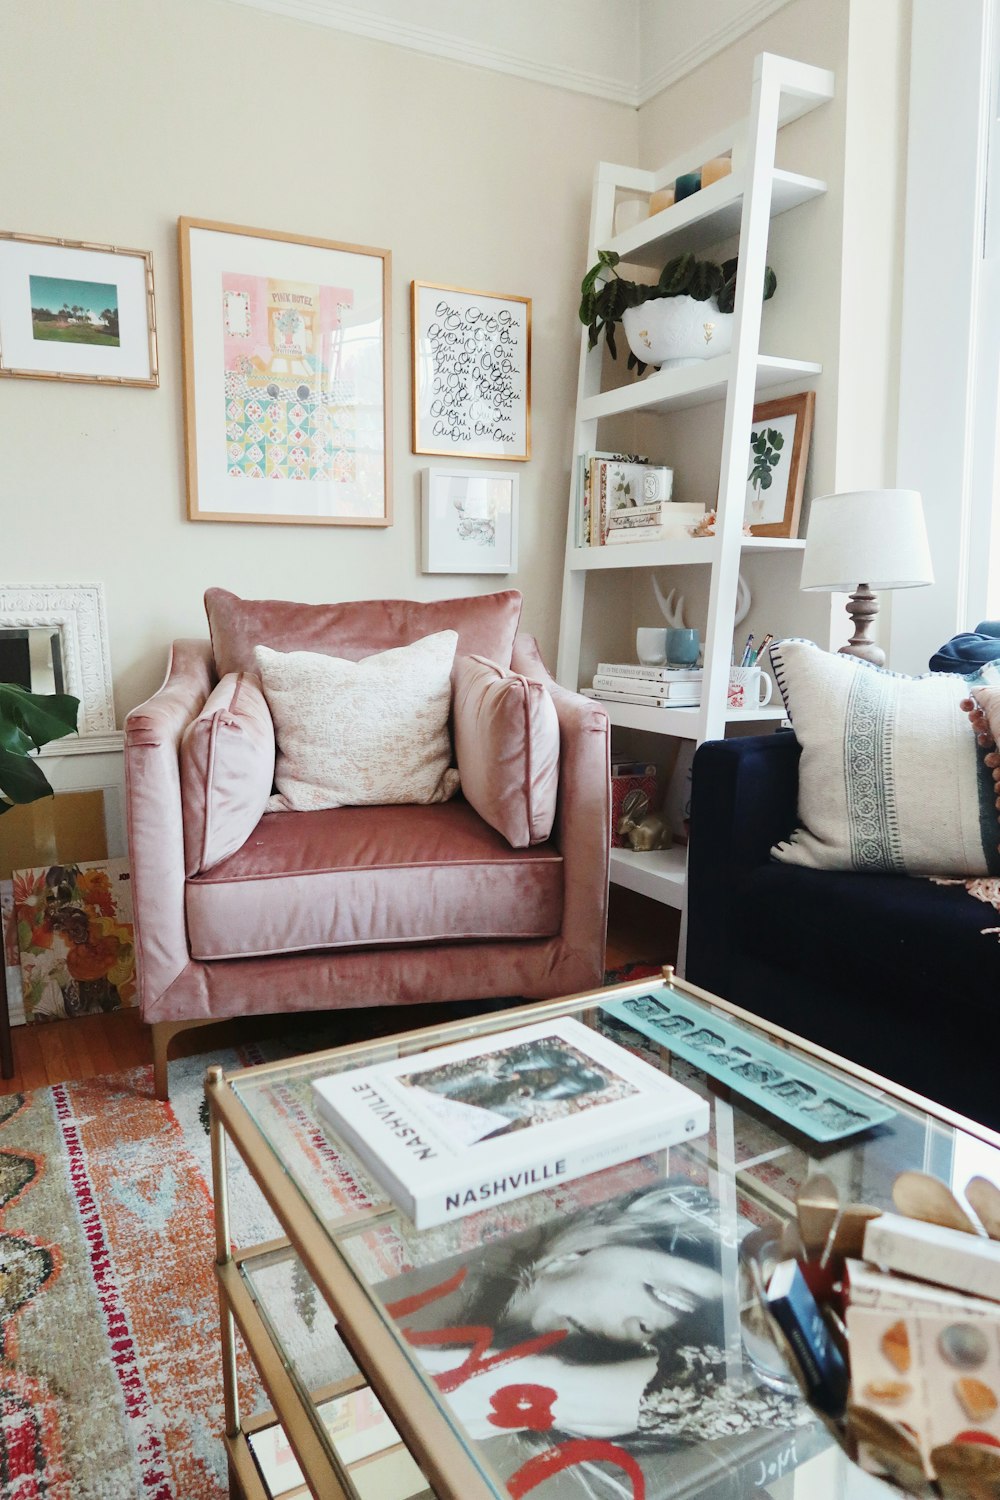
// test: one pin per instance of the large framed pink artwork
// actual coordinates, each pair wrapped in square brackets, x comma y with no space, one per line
[286,377]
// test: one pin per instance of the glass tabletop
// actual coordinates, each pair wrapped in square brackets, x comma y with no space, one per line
[609,1326]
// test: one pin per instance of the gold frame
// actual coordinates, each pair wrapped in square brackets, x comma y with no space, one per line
[195,513]
[465,291]
[12,372]
[803,407]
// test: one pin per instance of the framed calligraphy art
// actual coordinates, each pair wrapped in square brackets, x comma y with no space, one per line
[71,310]
[471,373]
[286,377]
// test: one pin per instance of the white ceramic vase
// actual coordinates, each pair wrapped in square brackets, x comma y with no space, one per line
[673,331]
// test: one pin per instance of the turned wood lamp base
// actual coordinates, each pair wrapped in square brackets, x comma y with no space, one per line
[862,607]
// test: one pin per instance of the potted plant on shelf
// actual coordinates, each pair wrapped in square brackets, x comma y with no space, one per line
[684,316]
[27,722]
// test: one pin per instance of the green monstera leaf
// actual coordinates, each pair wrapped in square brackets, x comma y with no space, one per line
[27,722]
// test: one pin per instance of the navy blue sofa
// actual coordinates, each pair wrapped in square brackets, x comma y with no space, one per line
[892,972]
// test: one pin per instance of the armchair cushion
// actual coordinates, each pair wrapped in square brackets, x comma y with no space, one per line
[507,749]
[352,876]
[361,733]
[486,624]
[227,771]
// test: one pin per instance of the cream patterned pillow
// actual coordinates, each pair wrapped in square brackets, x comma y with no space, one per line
[361,733]
[891,778]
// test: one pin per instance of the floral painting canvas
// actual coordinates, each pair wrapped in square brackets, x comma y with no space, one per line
[74,931]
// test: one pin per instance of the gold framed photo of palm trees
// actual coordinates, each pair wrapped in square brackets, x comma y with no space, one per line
[71,310]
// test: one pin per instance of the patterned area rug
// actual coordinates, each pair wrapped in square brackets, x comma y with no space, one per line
[110,1379]
[110,1373]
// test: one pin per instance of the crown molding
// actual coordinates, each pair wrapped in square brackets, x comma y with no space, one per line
[364,20]
[359,20]
[749,15]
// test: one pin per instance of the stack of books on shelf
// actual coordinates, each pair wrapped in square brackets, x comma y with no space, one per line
[622,497]
[656,687]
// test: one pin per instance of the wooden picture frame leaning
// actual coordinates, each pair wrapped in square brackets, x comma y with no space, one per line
[287,389]
[77,311]
[781,467]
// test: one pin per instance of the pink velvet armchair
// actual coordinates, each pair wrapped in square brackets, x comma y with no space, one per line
[355,906]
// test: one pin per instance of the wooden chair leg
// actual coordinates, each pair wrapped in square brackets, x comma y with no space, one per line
[163,1034]
[163,1031]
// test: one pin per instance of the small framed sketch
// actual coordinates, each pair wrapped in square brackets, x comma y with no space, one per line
[469,522]
[286,377]
[76,311]
[779,451]
[471,373]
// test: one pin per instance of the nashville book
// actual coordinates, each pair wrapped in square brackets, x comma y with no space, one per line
[607,1352]
[480,1122]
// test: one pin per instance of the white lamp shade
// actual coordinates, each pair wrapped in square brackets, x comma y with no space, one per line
[877,537]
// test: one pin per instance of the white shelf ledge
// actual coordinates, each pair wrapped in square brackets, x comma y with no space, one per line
[773,544]
[691,385]
[706,217]
[675,552]
[684,723]
[660,873]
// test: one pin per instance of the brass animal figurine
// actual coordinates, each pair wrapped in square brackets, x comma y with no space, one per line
[643,829]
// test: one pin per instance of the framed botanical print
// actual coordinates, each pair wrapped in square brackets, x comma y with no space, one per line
[776,473]
[471,373]
[286,377]
[70,310]
[468,521]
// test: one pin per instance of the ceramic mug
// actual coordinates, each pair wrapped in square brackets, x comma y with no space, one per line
[683,646]
[748,688]
[651,645]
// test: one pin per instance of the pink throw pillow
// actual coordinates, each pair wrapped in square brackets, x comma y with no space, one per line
[486,623]
[507,748]
[227,770]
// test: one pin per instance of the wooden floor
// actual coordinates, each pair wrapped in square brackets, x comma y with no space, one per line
[639,931]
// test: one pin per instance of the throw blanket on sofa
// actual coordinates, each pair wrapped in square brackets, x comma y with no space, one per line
[984,888]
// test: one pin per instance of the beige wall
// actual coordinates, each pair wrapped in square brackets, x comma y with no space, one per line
[127,115]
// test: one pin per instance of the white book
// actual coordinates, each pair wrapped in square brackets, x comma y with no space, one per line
[610,695]
[463,1127]
[655,674]
[648,686]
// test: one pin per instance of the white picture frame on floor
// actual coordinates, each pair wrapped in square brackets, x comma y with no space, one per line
[468,521]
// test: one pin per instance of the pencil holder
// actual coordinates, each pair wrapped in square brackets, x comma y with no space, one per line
[748,688]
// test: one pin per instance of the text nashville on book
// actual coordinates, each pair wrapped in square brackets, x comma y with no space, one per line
[451,1131]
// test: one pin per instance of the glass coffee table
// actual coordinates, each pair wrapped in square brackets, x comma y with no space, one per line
[403,1364]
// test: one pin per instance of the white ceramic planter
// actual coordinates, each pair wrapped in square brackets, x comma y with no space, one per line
[673,331]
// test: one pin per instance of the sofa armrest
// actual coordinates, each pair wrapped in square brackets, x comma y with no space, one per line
[582,829]
[744,796]
[153,734]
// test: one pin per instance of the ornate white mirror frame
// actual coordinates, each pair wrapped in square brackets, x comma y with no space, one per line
[77,611]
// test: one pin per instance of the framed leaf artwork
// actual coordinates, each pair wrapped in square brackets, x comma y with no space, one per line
[286,377]
[779,451]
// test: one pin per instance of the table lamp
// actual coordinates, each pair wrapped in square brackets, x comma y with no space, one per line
[875,535]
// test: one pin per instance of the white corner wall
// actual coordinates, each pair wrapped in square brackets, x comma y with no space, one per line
[121,117]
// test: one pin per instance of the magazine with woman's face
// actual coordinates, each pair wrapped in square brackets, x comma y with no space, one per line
[613,1352]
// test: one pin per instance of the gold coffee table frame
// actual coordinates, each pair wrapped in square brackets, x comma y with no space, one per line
[418,1418]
